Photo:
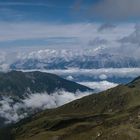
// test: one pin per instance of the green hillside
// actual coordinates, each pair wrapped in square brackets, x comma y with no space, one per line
[111,115]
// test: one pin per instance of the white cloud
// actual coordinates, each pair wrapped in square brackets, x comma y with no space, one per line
[14,111]
[15,31]
[99,86]
[82,31]
[70,78]
[9,111]
[4,66]
[103,77]
[98,73]
[51,101]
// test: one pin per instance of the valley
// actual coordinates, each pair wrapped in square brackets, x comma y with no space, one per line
[112,114]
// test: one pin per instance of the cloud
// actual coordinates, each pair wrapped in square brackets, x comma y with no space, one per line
[2,57]
[99,86]
[130,44]
[28,37]
[98,42]
[33,40]
[105,27]
[54,100]
[10,111]
[26,31]
[98,73]
[116,10]
[133,38]
[16,31]
[4,66]
[70,78]
[14,111]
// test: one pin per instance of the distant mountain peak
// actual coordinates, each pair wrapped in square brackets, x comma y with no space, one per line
[56,59]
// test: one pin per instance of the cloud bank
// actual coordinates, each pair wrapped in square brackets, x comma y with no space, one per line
[26,39]
[99,86]
[102,74]
[13,111]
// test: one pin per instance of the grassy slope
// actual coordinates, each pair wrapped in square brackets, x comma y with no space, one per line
[110,115]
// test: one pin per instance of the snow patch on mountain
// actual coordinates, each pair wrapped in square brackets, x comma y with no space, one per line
[82,59]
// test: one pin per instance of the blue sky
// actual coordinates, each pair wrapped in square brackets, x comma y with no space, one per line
[45,10]
[69,11]
[15,13]
[61,23]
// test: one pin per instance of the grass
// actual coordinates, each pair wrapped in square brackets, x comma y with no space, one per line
[110,115]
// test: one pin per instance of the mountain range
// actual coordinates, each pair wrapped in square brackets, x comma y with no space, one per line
[110,115]
[17,83]
[23,93]
[65,59]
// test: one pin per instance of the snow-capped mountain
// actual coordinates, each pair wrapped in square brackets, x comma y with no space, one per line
[65,59]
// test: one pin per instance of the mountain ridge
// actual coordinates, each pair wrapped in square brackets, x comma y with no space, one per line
[111,115]
[18,83]
[53,59]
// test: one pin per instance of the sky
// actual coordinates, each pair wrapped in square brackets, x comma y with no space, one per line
[45,10]
[32,25]
[69,11]
[28,27]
